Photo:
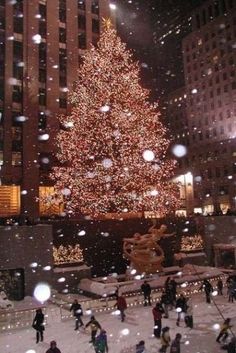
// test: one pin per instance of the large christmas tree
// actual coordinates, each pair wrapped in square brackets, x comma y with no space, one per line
[113,146]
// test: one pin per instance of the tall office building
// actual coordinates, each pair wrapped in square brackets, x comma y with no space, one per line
[41,43]
[209,54]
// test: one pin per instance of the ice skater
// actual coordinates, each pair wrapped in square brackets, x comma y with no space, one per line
[77,312]
[94,326]
[53,348]
[224,331]
[146,289]
[38,325]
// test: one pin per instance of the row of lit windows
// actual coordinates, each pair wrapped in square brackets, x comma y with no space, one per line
[212,11]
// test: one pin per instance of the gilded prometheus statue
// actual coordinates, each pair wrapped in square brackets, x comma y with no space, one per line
[144,252]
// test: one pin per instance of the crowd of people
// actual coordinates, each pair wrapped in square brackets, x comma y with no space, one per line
[169,300]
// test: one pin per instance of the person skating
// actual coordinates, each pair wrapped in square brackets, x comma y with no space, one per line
[175,345]
[77,312]
[189,313]
[165,302]
[140,347]
[121,306]
[38,325]
[146,289]
[173,290]
[206,285]
[157,312]
[231,346]
[220,286]
[94,326]
[224,331]
[100,344]
[165,339]
[181,308]
[53,348]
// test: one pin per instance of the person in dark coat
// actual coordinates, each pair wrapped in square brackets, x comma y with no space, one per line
[77,312]
[146,289]
[220,286]
[231,346]
[165,339]
[166,302]
[157,312]
[38,325]
[94,326]
[140,347]
[173,290]
[53,348]
[100,344]
[208,289]
[224,331]
[181,308]
[175,345]
[121,306]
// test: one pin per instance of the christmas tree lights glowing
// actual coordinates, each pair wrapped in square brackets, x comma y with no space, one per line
[113,146]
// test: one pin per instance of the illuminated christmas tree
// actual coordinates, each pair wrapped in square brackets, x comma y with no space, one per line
[113,146]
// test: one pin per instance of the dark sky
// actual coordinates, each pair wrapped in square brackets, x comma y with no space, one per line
[141,24]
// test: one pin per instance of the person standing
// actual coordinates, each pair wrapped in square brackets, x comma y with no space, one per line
[53,348]
[181,308]
[208,290]
[173,290]
[165,302]
[224,331]
[38,325]
[77,312]
[121,306]
[189,313]
[220,286]
[175,345]
[94,326]
[100,344]
[165,339]
[157,312]
[146,289]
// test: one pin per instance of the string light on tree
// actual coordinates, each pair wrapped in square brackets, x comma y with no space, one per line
[114,137]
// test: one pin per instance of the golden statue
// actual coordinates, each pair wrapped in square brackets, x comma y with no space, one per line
[143,250]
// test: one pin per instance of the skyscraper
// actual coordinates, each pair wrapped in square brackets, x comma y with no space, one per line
[41,44]
[210,84]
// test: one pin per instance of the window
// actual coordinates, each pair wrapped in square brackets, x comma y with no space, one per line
[95,7]
[42,55]
[42,96]
[62,59]
[217,173]
[81,22]
[42,75]
[222,130]
[42,11]
[18,17]
[63,102]
[17,71]
[62,35]
[42,122]
[204,17]
[234,85]
[42,28]
[222,6]
[16,158]
[226,88]
[2,19]
[95,26]
[17,51]
[62,10]
[216,8]
[82,40]
[210,13]
[16,133]
[81,5]
[224,76]
[198,21]
[17,94]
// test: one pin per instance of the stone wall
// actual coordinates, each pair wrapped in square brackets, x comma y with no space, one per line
[220,229]
[21,246]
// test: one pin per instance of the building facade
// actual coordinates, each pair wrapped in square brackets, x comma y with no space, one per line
[41,44]
[209,54]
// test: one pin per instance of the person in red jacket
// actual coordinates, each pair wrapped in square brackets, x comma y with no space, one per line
[121,306]
[157,312]
[53,348]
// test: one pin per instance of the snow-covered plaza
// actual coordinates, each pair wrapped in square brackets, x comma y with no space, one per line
[122,337]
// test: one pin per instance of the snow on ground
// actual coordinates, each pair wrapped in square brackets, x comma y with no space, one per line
[139,324]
